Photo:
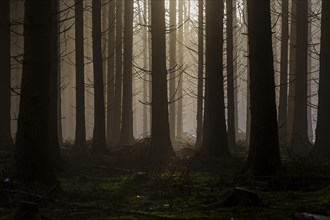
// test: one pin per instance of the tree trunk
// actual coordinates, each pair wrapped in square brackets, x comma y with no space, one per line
[119,70]
[162,149]
[215,141]
[33,153]
[322,142]
[179,119]
[264,155]
[5,75]
[127,137]
[173,67]
[300,140]
[99,142]
[80,133]
[200,86]
[292,70]
[230,75]
[283,103]
[146,74]
[111,75]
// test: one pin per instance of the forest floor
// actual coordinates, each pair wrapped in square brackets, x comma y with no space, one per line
[117,185]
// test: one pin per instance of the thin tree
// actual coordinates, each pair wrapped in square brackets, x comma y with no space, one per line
[215,141]
[200,82]
[179,118]
[283,103]
[264,154]
[127,136]
[119,71]
[162,149]
[230,74]
[99,142]
[300,141]
[33,154]
[5,74]
[322,142]
[173,57]
[111,74]
[80,132]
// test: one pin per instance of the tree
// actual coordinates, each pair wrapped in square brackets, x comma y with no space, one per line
[80,133]
[5,95]
[215,141]
[322,141]
[111,74]
[99,142]
[33,153]
[300,141]
[173,57]
[119,71]
[162,149]
[230,74]
[200,82]
[283,103]
[127,137]
[264,154]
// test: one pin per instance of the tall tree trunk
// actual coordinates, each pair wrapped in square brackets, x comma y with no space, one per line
[283,103]
[236,75]
[99,142]
[292,70]
[230,74]
[322,142]
[145,78]
[300,140]
[5,75]
[264,155]
[53,101]
[309,77]
[173,67]
[33,154]
[111,74]
[162,149]
[215,141]
[179,119]
[200,86]
[127,136]
[80,133]
[119,70]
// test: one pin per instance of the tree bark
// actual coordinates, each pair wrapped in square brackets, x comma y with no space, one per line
[99,142]
[283,103]
[215,141]
[264,155]
[5,75]
[179,119]
[127,137]
[33,154]
[80,132]
[322,142]
[162,149]
[173,67]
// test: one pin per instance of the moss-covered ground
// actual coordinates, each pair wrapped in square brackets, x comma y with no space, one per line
[105,187]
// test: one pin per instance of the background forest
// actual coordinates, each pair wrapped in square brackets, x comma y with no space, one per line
[153,109]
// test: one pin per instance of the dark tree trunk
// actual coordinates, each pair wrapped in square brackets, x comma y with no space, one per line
[283,103]
[53,101]
[80,133]
[215,141]
[119,70]
[146,74]
[111,75]
[173,67]
[230,75]
[322,142]
[33,153]
[292,70]
[99,142]
[162,149]
[300,140]
[127,137]
[264,155]
[5,73]
[200,86]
